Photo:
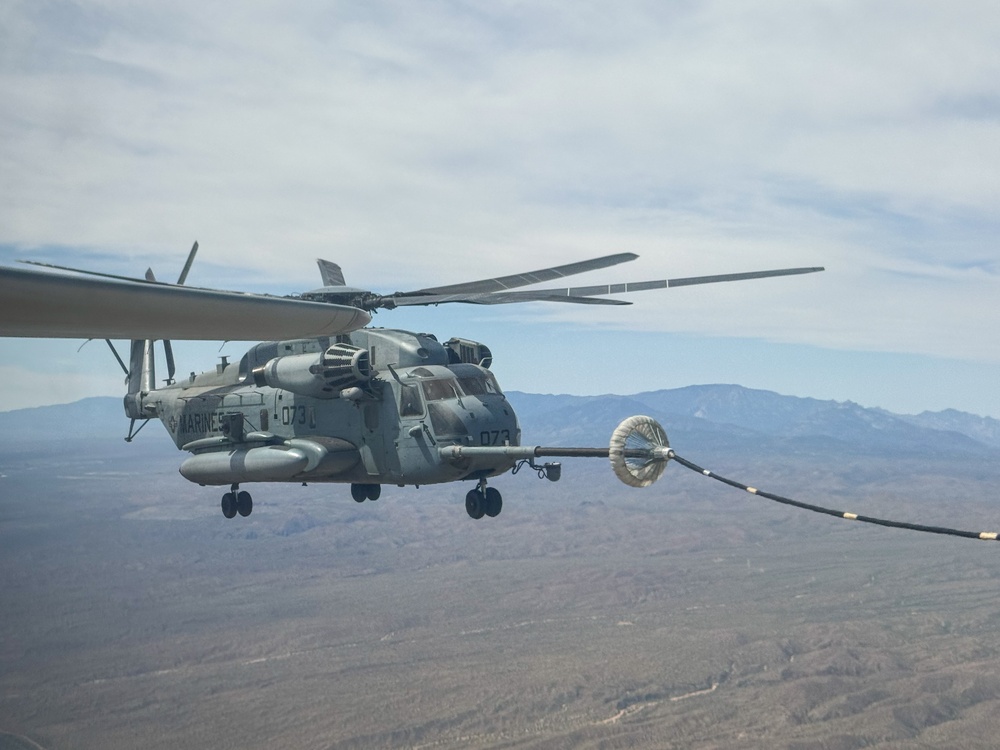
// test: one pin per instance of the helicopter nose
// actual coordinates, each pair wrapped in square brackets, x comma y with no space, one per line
[475,424]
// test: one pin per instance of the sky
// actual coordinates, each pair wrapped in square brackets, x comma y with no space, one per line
[419,144]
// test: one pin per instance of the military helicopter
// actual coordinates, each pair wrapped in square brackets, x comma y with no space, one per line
[328,399]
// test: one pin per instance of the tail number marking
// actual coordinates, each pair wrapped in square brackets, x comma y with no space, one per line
[494,437]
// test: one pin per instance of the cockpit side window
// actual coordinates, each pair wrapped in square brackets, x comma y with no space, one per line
[492,386]
[410,404]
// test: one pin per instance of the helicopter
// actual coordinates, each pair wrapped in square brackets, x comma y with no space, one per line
[325,398]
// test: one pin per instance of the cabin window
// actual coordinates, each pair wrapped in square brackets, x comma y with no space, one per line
[264,422]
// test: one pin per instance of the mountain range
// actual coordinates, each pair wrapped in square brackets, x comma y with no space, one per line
[720,416]
[731,414]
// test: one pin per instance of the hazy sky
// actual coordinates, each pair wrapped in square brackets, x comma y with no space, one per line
[426,143]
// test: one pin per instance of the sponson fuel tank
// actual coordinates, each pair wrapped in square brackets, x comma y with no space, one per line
[272,463]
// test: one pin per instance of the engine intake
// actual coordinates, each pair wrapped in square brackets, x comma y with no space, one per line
[323,375]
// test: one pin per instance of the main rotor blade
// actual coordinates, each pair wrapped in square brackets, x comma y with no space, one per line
[690,281]
[642,286]
[502,283]
[89,273]
[581,295]
[45,305]
[496,298]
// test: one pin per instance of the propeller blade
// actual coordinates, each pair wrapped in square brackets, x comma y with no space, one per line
[642,286]
[503,283]
[46,305]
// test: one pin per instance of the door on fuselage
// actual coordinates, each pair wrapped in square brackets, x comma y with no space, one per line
[414,455]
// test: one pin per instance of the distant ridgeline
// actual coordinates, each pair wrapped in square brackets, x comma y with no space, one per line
[89,424]
[734,417]
[720,417]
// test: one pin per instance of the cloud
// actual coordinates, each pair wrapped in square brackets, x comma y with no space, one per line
[421,144]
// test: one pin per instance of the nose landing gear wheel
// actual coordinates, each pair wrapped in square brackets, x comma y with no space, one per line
[494,502]
[483,502]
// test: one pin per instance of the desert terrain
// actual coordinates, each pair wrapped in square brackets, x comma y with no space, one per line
[588,614]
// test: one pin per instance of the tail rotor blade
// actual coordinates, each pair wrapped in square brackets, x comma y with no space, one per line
[187,264]
[117,356]
[168,352]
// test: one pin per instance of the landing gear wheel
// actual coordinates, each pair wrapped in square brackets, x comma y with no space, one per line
[494,502]
[362,492]
[229,505]
[244,504]
[475,504]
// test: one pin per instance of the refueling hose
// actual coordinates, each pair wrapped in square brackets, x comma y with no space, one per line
[985,535]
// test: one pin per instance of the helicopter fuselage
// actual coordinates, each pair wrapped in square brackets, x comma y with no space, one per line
[368,408]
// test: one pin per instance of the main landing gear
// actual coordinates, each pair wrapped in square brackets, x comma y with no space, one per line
[483,501]
[234,502]
[362,492]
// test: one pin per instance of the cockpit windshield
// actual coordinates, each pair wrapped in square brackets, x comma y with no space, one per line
[463,380]
[479,384]
[438,390]
[473,386]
